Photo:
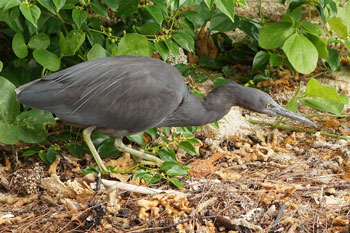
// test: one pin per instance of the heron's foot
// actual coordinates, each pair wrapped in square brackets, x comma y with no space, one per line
[86,135]
[120,145]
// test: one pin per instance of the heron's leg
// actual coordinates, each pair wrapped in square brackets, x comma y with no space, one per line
[120,145]
[86,135]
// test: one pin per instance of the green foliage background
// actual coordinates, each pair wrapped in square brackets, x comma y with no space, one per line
[39,37]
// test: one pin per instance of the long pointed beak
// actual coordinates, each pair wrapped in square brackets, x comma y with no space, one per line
[279,110]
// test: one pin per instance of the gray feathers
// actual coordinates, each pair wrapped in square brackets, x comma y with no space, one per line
[124,93]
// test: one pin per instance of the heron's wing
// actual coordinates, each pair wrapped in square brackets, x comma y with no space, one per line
[123,93]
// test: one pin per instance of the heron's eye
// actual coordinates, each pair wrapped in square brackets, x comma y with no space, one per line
[268,106]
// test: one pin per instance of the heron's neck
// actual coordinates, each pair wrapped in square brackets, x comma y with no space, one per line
[196,111]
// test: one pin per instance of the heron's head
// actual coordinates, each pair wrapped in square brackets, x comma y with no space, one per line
[259,101]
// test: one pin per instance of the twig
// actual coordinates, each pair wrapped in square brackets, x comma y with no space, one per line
[278,218]
[112,185]
[310,131]
[227,223]
[326,187]
[174,225]
[98,182]
[327,115]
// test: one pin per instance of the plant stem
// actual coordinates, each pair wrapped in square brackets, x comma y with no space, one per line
[310,131]
[260,12]
[319,74]
[309,10]
[327,115]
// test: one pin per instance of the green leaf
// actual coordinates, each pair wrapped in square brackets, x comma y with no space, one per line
[187,28]
[1,66]
[296,13]
[312,28]
[250,28]
[144,175]
[344,14]
[89,170]
[29,126]
[59,4]
[127,8]
[194,141]
[219,81]
[209,3]
[196,92]
[108,150]
[9,108]
[203,12]
[292,105]
[77,149]
[31,13]
[72,42]
[227,7]
[156,13]
[147,176]
[167,154]
[344,99]
[314,88]
[152,132]
[98,138]
[323,104]
[201,77]
[273,35]
[99,8]
[39,41]
[97,51]
[63,45]
[47,59]
[338,26]
[242,3]
[79,17]
[162,49]
[275,60]
[220,22]
[173,47]
[301,53]
[228,72]
[176,182]
[260,60]
[19,46]
[322,97]
[210,62]
[194,18]
[173,169]
[48,156]
[320,45]
[10,4]
[188,147]
[138,138]
[48,5]
[149,28]
[166,131]
[184,40]
[333,59]
[28,153]
[3,3]
[185,69]
[112,4]
[156,178]
[133,44]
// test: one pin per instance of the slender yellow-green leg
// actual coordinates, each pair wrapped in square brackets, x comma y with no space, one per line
[120,145]
[86,135]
